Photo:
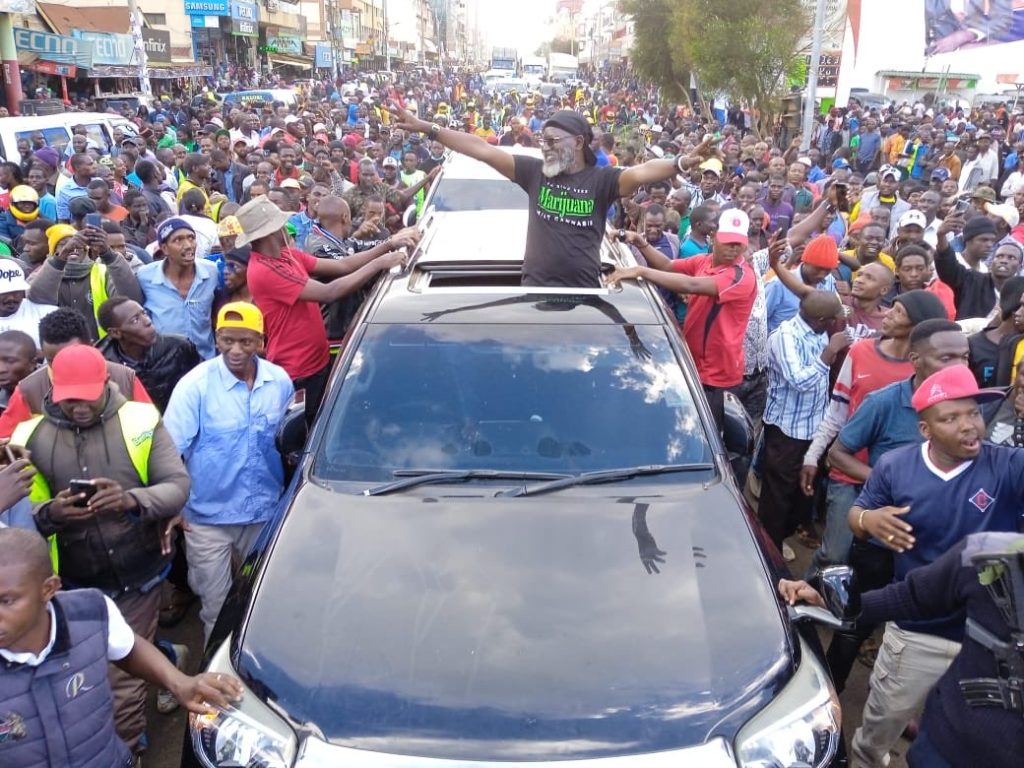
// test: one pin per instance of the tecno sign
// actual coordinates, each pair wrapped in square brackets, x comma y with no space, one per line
[42,42]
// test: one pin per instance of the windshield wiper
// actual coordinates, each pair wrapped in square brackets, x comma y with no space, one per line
[413,477]
[606,476]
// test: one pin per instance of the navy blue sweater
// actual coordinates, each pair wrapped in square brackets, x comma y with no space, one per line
[966,736]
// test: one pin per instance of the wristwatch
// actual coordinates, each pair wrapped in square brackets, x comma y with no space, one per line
[435,129]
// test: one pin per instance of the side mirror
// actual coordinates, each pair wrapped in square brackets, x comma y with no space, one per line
[838,585]
[738,437]
[841,591]
[290,439]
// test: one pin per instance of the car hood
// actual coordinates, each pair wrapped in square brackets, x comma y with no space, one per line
[564,626]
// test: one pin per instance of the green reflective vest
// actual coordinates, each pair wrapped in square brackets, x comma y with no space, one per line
[138,421]
[98,289]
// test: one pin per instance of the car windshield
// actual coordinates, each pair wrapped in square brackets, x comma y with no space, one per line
[478,195]
[532,398]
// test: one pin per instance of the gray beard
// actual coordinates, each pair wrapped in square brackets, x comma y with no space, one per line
[561,164]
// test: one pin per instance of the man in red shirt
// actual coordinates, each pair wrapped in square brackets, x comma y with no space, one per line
[280,279]
[722,287]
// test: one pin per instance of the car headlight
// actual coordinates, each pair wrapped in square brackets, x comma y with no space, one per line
[801,728]
[250,735]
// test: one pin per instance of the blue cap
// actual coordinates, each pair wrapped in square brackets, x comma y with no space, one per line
[840,162]
[169,227]
[940,174]
[970,127]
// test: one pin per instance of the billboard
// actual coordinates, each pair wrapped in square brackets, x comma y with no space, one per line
[953,25]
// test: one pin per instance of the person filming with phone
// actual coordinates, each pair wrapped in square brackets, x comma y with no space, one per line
[82,272]
[108,478]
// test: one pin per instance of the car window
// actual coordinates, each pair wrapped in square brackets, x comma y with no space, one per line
[478,195]
[95,132]
[56,137]
[507,397]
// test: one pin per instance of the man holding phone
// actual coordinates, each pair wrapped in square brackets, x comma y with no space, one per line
[82,274]
[108,478]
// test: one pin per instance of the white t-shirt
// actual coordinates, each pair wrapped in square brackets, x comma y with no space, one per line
[27,319]
[120,638]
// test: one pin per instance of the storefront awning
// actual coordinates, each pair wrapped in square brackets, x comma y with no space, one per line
[288,60]
[161,72]
[64,18]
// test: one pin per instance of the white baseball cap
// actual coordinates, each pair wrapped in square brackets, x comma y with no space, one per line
[1005,211]
[889,170]
[913,218]
[733,227]
[12,278]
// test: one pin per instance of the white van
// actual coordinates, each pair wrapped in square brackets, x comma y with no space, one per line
[56,129]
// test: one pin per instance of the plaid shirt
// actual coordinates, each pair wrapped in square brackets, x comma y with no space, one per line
[797,379]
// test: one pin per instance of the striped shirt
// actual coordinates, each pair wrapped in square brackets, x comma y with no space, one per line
[797,379]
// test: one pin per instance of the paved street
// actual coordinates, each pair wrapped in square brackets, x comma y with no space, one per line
[166,730]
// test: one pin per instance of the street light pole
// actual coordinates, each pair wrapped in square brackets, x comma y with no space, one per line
[812,76]
[135,24]
[387,40]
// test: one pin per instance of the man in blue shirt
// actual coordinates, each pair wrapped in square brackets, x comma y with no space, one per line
[179,290]
[222,416]
[818,260]
[83,169]
[799,356]
[919,501]
[870,148]
[886,419]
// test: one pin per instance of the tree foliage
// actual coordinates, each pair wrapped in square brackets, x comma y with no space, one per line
[655,55]
[743,48]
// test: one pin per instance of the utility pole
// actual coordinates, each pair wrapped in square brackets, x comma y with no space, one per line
[387,40]
[812,76]
[135,24]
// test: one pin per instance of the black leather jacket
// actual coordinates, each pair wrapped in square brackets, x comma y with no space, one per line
[162,367]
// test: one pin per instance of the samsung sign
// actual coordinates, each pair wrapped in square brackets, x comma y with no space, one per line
[208,7]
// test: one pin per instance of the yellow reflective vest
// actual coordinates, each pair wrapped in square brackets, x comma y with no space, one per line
[138,421]
[98,291]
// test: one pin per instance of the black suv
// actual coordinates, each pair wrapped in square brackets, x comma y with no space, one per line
[514,539]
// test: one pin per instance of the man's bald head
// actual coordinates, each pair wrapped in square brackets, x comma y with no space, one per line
[873,281]
[819,308]
[26,549]
[333,211]
[879,271]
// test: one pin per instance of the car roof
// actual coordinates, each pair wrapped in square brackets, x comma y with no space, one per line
[459,166]
[27,122]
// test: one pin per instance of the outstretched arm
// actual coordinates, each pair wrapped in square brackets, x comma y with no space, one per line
[464,143]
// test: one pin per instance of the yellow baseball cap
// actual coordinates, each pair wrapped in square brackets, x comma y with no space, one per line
[240,314]
[229,227]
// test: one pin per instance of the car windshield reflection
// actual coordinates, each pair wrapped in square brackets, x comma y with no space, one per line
[562,399]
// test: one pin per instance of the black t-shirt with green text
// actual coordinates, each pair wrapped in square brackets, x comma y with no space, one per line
[567,221]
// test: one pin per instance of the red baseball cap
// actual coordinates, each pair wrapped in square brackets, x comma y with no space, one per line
[78,372]
[953,383]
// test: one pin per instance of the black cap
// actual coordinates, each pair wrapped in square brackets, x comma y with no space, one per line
[240,254]
[575,124]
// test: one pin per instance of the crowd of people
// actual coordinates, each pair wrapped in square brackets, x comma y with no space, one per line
[859,291]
